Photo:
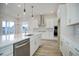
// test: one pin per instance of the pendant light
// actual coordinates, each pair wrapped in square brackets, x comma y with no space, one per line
[24,9]
[32,12]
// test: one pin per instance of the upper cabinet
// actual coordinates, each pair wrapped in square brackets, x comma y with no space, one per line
[72,13]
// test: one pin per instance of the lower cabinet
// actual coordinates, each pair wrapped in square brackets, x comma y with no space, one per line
[6,51]
[68,49]
[48,35]
[34,44]
[73,51]
[64,48]
[32,47]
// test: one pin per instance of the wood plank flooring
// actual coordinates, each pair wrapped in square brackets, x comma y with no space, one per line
[48,48]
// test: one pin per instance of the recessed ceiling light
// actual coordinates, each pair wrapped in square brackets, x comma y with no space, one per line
[19,5]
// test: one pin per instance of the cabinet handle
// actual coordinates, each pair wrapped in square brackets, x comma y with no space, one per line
[1,54]
[76,49]
[17,46]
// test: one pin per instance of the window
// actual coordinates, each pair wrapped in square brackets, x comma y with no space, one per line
[7,27]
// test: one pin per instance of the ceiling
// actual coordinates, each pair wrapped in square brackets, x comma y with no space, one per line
[17,9]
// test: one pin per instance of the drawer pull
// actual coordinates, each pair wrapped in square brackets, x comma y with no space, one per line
[76,49]
[1,54]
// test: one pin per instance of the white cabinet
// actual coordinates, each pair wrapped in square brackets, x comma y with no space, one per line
[32,47]
[6,51]
[68,48]
[68,13]
[72,13]
[45,35]
[64,47]
[38,40]
[74,51]
[48,35]
[34,43]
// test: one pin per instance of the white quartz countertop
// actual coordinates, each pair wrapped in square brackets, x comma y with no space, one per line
[6,40]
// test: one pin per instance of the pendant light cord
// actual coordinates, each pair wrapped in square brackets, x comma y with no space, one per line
[32,11]
[24,9]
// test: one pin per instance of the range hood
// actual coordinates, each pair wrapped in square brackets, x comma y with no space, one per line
[41,21]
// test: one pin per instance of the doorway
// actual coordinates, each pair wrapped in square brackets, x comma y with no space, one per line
[58,33]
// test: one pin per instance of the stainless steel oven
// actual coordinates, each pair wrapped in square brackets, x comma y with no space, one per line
[22,48]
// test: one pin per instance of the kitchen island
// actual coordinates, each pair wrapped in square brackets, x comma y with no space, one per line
[7,41]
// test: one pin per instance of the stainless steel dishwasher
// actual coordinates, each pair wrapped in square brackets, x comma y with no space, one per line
[22,48]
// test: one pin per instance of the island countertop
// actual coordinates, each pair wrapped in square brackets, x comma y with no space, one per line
[6,40]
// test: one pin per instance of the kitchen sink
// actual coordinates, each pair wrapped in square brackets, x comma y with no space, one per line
[28,34]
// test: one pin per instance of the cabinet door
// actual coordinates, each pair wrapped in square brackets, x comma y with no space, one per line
[46,35]
[6,50]
[72,13]
[76,20]
[74,51]
[71,53]
[37,41]
[68,14]
[64,48]
[34,44]
[32,47]
[51,35]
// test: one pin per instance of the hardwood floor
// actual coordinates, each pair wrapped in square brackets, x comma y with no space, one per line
[48,48]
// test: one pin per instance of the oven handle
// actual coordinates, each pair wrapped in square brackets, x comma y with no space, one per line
[21,45]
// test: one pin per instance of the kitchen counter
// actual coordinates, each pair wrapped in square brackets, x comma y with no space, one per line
[6,40]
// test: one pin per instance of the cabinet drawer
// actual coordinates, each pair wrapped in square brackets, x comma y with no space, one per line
[6,50]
